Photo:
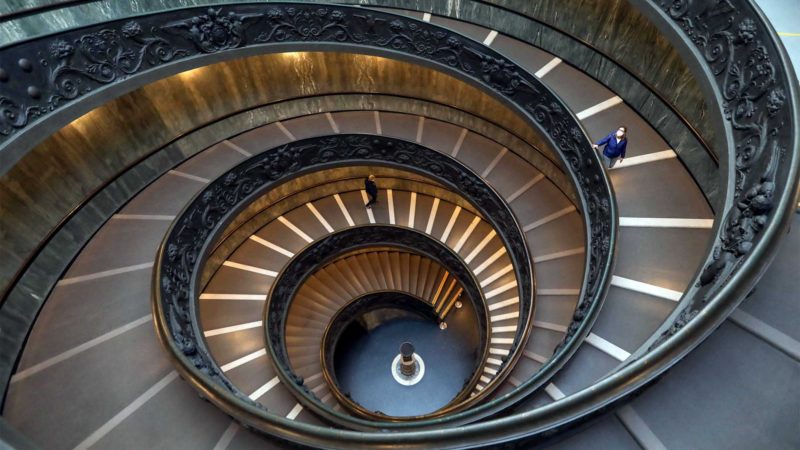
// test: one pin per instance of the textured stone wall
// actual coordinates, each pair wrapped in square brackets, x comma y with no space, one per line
[619,30]
[609,40]
[614,27]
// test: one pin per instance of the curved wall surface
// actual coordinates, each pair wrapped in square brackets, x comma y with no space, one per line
[80,157]
[74,179]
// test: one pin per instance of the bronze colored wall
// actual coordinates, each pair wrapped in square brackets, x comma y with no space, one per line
[60,173]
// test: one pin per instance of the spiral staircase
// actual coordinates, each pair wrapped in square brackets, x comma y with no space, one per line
[189,262]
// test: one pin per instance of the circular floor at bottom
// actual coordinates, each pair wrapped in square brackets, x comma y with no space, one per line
[363,369]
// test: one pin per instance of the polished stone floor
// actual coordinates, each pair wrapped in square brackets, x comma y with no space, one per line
[363,367]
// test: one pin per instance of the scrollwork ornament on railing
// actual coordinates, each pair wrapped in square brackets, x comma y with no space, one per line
[741,56]
[182,253]
[102,57]
[83,61]
[41,76]
[322,252]
[300,24]
[599,208]
[71,66]
[79,62]
[214,31]
[14,116]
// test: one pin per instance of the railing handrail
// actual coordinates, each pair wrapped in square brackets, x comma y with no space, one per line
[322,252]
[385,181]
[640,372]
[24,12]
[334,329]
[533,100]
[688,331]
[92,194]
[247,181]
[684,120]
[445,50]
[51,6]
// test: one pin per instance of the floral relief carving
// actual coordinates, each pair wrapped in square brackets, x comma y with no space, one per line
[214,31]
[79,62]
[14,115]
[102,57]
[73,67]
[205,216]
[741,54]
[304,24]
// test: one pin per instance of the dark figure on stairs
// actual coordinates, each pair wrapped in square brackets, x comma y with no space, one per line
[372,190]
[615,143]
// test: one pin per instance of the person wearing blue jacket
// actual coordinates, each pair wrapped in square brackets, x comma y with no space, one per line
[615,143]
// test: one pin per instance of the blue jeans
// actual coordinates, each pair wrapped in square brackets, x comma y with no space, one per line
[610,161]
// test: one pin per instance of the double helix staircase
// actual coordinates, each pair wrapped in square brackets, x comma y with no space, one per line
[334,286]
[93,374]
[242,281]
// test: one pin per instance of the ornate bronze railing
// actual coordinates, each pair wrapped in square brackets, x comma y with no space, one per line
[478,64]
[322,252]
[79,69]
[758,100]
[234,236]
[189,241]
[735,52]
[750,76]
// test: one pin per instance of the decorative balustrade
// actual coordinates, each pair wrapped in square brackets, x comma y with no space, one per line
[333,246]
[191,236]
[79,69]
[733,47]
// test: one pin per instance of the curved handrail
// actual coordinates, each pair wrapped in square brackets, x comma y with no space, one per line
[630,71]
[756,214]
[188,240]
[738,266]
[378,33]
[236,232]
[157,44]
[26,264]
[153,45]
[63,4]
[759,103]
[51,6]
[480,65]
[324,251]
